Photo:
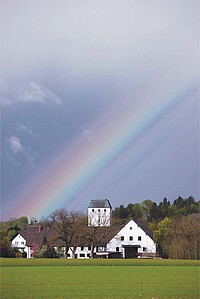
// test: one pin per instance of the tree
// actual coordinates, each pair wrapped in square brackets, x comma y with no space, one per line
[183,239]
[147,206]
[185,206]
[44,250]
[120,213]
[154,213]
[135,211]
[165,208]
[67,227]
[161,234]
[98,236]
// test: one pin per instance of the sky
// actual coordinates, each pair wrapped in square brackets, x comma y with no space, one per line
[100,99]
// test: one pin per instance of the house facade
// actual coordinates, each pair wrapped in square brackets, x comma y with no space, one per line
[133,240]
[19,242]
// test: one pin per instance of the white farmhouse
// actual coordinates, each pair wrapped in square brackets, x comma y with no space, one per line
[133,240]
[19,242]
[99,213]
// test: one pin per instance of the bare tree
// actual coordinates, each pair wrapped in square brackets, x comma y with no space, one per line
[183,240]
[98,236]
[67,227]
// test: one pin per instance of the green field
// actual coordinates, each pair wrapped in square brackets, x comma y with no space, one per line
[99,278]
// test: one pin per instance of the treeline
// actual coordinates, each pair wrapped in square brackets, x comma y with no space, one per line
[176,226]
[153,212]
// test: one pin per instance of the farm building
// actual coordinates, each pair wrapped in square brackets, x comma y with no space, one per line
[133,240]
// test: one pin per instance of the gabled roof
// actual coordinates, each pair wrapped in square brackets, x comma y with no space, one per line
[140,224]
[100,203]
[35,235]
[143,226]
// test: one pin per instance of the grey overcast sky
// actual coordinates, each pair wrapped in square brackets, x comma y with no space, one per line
[100,99]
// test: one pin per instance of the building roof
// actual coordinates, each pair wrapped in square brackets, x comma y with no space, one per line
[143,226]
[140,224]
[35,235]
[100,203]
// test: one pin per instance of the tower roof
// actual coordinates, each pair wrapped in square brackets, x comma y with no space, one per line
[100,203]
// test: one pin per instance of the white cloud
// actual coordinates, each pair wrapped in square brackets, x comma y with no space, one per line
[17,149]
[29,93]
[15,145]
[35,92]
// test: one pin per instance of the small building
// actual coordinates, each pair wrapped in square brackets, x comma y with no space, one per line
[29,240]
[99,213]
[19,242]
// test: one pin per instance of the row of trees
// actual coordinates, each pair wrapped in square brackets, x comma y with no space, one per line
[153,212]
[175,227]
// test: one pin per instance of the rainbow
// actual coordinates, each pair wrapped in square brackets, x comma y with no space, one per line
[73,168]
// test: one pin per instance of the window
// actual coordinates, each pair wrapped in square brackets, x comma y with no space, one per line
[89,247]
[22,242]
[139,238]
[122,238]
[82,248]
[88,255]
[68,255]
[117,249]
[131,238]
[16,242]
[82,255]
[144,249]
[131,228]
[104,210]
[92,210]
[99,210]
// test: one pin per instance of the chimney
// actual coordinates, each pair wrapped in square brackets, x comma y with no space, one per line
[39,228]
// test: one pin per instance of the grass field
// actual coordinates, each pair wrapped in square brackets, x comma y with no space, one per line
[99,278]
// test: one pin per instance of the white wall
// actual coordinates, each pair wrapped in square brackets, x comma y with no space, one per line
[20,243]
[99,216]
[138,236]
